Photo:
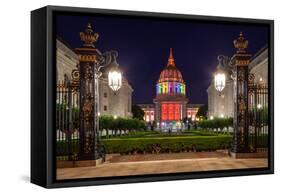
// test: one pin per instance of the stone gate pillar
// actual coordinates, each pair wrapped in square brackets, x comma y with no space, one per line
[89,61]
[241,60]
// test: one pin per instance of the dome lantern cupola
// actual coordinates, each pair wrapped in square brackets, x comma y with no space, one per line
[171,60]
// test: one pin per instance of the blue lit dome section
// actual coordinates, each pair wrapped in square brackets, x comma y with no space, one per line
[170,81]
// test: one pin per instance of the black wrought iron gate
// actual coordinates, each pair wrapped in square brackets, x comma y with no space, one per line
[67,120]
[258,116]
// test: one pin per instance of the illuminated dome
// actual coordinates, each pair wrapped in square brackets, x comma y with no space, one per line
[170,81]
[170,73]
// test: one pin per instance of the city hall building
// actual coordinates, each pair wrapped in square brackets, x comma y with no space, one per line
[170,106]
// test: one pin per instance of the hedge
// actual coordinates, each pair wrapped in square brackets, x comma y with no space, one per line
[161,144]
[215,123]
[151,134]
[110,123]
[166,144]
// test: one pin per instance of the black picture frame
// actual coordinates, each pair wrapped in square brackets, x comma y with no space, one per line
[43,99]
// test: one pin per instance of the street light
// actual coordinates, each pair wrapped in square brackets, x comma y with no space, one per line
[115,78]
[220,76]
[219,81]
[114,72]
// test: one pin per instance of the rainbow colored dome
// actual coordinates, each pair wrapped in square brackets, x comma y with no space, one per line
[170,81]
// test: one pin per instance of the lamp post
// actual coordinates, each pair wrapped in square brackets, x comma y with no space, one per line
[240,76]
[87,75]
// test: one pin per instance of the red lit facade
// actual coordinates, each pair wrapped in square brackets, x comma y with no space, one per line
[149,112]
[170,111]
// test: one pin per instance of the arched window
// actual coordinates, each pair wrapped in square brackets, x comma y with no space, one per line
[177,88]
[160,89]
[170,88]
[165,89]
[181,88]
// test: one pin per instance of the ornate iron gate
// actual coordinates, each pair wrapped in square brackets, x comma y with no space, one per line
[67,119]
[257,116]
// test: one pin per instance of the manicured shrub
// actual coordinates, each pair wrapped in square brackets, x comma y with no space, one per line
[117,124]
[216,123]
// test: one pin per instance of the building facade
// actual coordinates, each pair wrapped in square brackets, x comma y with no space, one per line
[66,60]
[220,105]
[149,112]
[117,104]
[191,111]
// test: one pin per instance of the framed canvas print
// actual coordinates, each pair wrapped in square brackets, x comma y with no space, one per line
[125,96]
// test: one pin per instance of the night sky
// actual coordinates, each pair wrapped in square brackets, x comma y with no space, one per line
[143,46]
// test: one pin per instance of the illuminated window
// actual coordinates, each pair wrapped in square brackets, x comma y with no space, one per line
[177,89]
[177,112]
[166,87]
[164,112]
[147,118]
[171,111]
[182,89]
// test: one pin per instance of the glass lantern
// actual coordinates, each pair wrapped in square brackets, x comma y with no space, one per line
[115,78]
[219,81]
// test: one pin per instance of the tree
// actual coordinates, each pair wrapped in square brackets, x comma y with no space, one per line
[138,113]
[202,112]
[106,122]
[216,123]
[117,125]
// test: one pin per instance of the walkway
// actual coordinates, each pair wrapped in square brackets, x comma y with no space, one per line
[161,163]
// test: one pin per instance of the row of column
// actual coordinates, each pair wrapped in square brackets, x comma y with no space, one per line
[170,88]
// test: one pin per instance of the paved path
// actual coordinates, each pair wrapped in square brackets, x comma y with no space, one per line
[161,163]
[167,156]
